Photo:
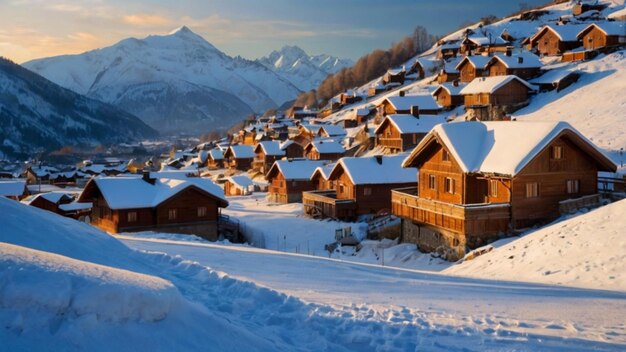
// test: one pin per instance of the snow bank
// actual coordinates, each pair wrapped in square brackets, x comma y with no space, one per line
[50,285]
[588,251]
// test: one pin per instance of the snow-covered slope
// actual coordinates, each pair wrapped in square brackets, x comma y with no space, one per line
[177,81]
[36,113]
[304,71]
[588,251]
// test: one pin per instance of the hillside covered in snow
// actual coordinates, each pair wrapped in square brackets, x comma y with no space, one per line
[177,81]
[37,115]
[305,71]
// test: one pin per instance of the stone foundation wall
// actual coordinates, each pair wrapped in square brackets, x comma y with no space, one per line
[449,245]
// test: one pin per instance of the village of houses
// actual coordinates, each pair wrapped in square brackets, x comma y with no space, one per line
[429,154]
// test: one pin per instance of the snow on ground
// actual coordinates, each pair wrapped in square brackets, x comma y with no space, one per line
[588,251]
[594,105]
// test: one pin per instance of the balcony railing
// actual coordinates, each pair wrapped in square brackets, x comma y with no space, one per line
[326,205]
[390,142]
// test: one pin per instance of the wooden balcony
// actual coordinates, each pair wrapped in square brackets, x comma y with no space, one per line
[478,219]
[324,204]
[395,143]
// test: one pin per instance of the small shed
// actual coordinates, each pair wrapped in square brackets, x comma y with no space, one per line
[240,185]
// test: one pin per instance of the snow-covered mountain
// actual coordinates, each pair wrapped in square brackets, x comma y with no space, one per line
[177,81]
[305,71]
[36,114]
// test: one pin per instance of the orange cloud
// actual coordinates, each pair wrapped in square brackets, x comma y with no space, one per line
[144,20]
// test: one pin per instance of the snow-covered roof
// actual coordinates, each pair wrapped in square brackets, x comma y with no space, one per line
[520,60]
[324,170]
[499,147]
[13,188]
[376,170]
[41,171]
[618,14]
[333,130]
[363,111]
[271,148]
[450,88]
[52,197]
[552,76]
[423,102]
[485,41]
[73,206]
[216,154]
[491,84]
[567,32]
[327,146]
[284,145]
[311,128]
[296,169]
[242,151]
[395,71]
[241,181]
[411,124]
[133,192]
[450,66]
[478,61]
[608,28]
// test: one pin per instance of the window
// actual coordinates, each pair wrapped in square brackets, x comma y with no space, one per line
[493,188]
[172,214]
[131,216]
[432,182]
[532,190]
[341,189]
[445,156]
[367,191]
[557,152]
[573,186]
[201,212]
[449,185]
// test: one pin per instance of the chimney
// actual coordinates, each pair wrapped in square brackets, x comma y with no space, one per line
[520,60]
[415,111]
[455,83]
[509,51]
[146,177]
[401,93]
[379,159]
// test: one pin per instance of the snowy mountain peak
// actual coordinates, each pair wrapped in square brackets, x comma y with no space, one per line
[181,30]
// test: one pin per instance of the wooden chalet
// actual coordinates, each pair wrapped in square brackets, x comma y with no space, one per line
[410,104]
[399,133]
[581,7]
[266,153]
[320,177]
[449,72]
[129,204]
[362,186]
[603,35]
[292,149]
[331,131]
[239,185]
[289,178]
[239,157]
[324,150]
[394,76]
[448,49]
[448,95]
[480,180]
[496,91]
[551,40]
[475,44]
[61,203]
[302,112]
[349,97]
[555,80]
[423,67]
[524,65]
[14,189]
[215,159]
[471,67]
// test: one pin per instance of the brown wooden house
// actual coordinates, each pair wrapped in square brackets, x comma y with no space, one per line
[61,203]
[14,189]
[362,186]
[524,65]
[471,67]
[480,180]
[423,67]
[289,178]
[448,49]
[324,150]
[239,157]
[320,177]
[410,104]
[496,91]
[292,149]
[215,159]
[239,185]
[266,153]
[394,76]
[399,133]
[553,40]
[602,35]
[448,95]
[129,204]
[475,44]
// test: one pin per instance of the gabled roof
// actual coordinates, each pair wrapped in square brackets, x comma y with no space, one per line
[375,170]
[129,192]
[423,102]
[502,147]
[241,151]
[566,33]
[326,147]
[608,28]
[528,60]
[324,170]
[52,197]
[553,76]
[284,145]
[13,188]
[491,84]
[314,129]
[270,148]
[485,41]
[295,169]
[241,181]
[478,61]
[449,87]
[411,124]
[333,130]
[216,154]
